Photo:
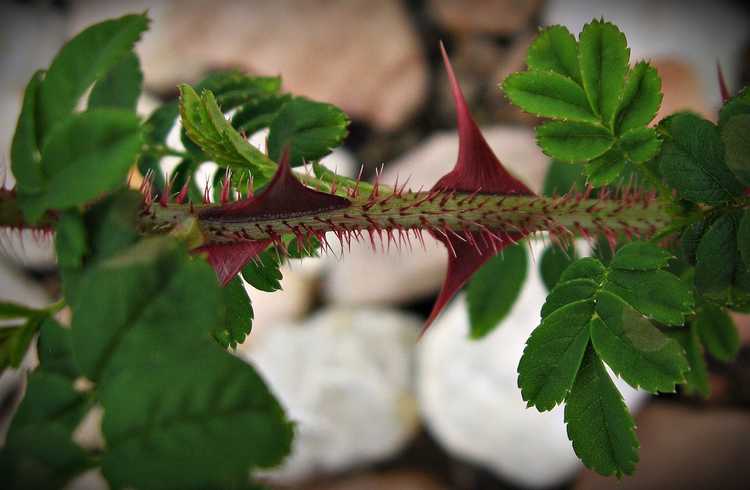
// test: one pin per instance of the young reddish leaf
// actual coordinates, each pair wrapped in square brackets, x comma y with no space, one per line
[477,170]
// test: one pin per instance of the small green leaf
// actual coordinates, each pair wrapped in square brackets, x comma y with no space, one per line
[635,349]
[77,169]
[121,87]
[743,237]
[641,98]
[25,152]
[603,56]
[263,273]
[696,379]
[692,160]
[236,315]
[717,332]
[55,350]
[83,60]
[605,169]
[585,268]
[739,104]
[599,425]
[311,129]
[658,295]
[573,142]
[555,49]
[641,256]
[259,113]
[568,292]
[717,256]
[640,144]
[736,137]
[554,261]
[490,300]
[553,355]
[549,94]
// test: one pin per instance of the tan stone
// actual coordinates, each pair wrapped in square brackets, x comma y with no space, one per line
[489,16]
[361,56]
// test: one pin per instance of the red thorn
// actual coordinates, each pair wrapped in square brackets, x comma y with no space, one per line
[723,90]
[228,259]
[183,192]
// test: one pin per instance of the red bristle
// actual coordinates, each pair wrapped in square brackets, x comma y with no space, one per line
[723,89]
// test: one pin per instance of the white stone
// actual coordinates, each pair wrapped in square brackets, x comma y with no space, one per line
[364,59]
[345,378]
[471,403]
[364,277]
[699,33]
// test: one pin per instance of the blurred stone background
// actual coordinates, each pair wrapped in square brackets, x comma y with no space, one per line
[375,409]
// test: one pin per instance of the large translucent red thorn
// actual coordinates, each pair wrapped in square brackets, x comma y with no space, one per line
[477,171]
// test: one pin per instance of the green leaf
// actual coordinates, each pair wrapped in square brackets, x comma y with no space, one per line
[121,87]
[717,332]
[640,144]
[736,137]
[553,262]
[573,142]
[206,125]
[553,355]
[490,300]
[641,98]
[259,113]
[39,452]
[236,315]
[155,132]
[605,169]
[635,349]
[190,431]
[76,169]
[696,378]
[743,237]
[599,425]
[25,154]
[585,268]
[603,55]
[717,256]
[549,94]
[70,240]
[84,59]
[233,88]
[658,295]
[562,177]
[11,311]
[692,160]
[55,350]
[555,49]
[569,292]
[15,341]
[263,273]
[690,239]
[311,129]
[739,104]
[641,256]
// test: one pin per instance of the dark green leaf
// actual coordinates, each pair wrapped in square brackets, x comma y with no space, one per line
[78,169]
[311,129]
[641,256]
[11,311]
[692,160]
[640,144]
[717,332]
[573,142]
[15,341]
[568,292]
[599,425]
[121,86]
[717,256]
[233,88]
[743,237]
[549,94]
[641,98]
[70,239]
[604,57]
[562,177]
[555,49]
[259,113]
[658,295]
[55,350]
[690,239]
[84,59]
[554,261]
[739,104]
[605,169]
[25,150]
[696,379]
[263,273]
[236,315]
[190,431]
[585,268]
[553,355]
[635,349]
[489,298]
[736,137]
